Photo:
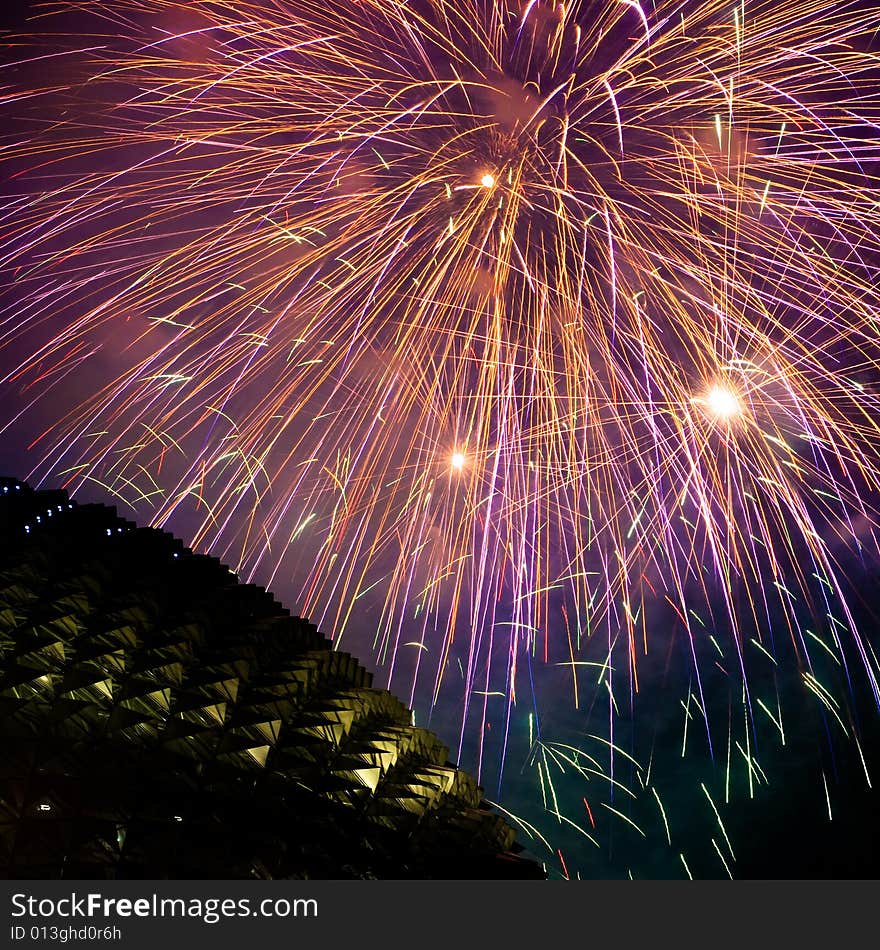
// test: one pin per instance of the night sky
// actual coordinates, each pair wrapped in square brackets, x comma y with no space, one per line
[152,262]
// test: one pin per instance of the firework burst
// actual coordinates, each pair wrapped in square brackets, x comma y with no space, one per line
[492,331]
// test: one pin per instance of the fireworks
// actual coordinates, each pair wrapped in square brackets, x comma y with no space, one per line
[723,403]
[505,337]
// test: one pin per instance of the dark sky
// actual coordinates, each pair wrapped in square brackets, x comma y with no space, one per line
[782,832]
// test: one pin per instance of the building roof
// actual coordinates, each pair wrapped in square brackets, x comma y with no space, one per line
[160,719]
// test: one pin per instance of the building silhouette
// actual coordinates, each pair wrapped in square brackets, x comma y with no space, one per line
[159,719]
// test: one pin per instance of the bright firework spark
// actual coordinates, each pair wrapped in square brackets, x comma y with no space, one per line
[723,403]
[256,250]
